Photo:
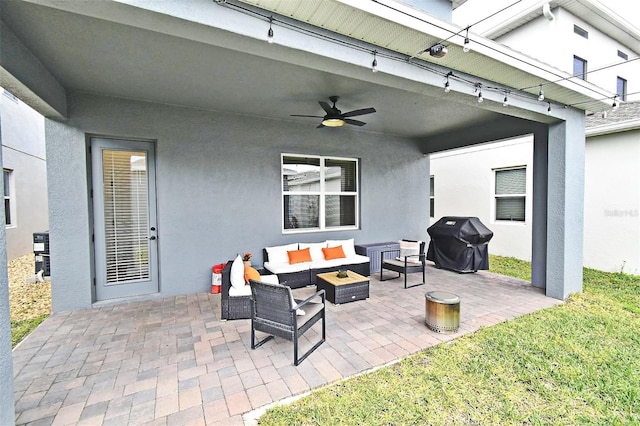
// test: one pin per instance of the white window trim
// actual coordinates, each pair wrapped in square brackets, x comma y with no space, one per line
[494,196]
[321,193]
[12,199]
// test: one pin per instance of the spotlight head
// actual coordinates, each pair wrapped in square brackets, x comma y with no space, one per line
[506,101]
[438,50]
[447,87]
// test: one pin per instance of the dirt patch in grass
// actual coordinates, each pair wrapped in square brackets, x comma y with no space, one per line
[29,301]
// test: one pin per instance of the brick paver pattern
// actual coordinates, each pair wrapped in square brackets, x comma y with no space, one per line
[171,361]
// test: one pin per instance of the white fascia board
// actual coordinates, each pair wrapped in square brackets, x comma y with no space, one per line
[394,11]
[606,129]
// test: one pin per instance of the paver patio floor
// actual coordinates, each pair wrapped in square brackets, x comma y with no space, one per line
[171,361]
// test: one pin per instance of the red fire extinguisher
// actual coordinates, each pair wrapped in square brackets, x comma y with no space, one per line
[216,278]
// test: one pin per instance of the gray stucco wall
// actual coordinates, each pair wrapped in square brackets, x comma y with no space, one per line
[23,152]
[218,187]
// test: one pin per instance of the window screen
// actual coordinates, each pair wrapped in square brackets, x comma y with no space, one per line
[511,188]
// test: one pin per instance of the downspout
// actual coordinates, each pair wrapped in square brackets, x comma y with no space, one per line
[546,11]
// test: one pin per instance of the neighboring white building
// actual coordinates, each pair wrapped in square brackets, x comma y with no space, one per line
[489,179]
[598,45]
[24,174]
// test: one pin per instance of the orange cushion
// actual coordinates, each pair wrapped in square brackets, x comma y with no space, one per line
[333,253]
[299,256]
[251,274]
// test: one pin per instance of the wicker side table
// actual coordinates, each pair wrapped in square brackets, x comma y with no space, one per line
[343,290]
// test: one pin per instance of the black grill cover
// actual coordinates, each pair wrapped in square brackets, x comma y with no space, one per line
[459,244]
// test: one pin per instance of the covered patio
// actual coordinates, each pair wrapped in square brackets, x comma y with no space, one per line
[172,361]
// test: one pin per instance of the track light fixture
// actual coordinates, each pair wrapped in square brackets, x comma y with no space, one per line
[541,94]
[505,102]
[615,103]
[447,86]
[270,32]
[479,90]
[467,43]
[374,64]
[437,50]
[549,109]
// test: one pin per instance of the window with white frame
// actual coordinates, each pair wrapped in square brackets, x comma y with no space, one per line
[511,194]
[432,198]
[9,204]
[319,193]
[580,67]
[621,88]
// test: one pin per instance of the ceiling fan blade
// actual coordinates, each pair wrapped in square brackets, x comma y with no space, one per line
[359,112]
[302,115]
[325,106]
[354,122]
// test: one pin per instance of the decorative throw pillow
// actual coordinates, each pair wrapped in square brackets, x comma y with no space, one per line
[299,312]
[278,254]
[333,253]
[237,273]
[299,256]
[410,250]
[315,249]
[251,274]
[348,246]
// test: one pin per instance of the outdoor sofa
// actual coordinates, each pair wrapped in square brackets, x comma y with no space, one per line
[278,269]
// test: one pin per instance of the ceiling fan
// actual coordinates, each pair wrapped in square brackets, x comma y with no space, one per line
[335,117]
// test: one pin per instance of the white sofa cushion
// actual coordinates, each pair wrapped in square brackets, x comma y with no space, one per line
[278,254]
[315,249]
[246,289]
[348,246]
[283,268]
[349,260]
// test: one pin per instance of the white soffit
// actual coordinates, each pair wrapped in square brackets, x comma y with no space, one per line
[400,28]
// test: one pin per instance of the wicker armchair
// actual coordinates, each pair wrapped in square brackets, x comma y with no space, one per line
[399,261]
[273,312]
[237,307]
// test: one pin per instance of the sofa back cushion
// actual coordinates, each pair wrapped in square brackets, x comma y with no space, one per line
[348,246]
[315,249]
[278,254]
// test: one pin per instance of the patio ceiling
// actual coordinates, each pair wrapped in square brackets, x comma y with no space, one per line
[124,50]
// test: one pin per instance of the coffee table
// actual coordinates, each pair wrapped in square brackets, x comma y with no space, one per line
[342,290]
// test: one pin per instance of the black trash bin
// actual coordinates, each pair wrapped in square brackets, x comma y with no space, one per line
[459,243]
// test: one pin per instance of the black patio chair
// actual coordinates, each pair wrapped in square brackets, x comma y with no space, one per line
[404,261]
[273,311]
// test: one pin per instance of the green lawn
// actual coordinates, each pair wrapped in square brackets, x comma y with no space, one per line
[573,364]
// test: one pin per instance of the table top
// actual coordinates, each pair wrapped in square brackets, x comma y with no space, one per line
[352,278]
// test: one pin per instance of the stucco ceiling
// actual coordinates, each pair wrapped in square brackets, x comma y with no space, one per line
[101,56]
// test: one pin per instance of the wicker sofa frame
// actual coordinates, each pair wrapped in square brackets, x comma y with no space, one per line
[310,276]
[236,307]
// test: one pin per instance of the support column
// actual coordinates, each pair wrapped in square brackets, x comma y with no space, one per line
[539,221]
[7,407]
[565,206]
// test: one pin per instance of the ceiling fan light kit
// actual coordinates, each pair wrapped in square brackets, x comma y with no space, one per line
[336,118]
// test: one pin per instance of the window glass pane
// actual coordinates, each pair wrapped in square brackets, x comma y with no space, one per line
[579,67]
[7,212]
[580,31]
[301,211]
[621,88]
[340,175]
[431,207]
[511,181]
[301,174]
[126,216]
[510,208]
[7,176]
[431,185]
[340,210]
